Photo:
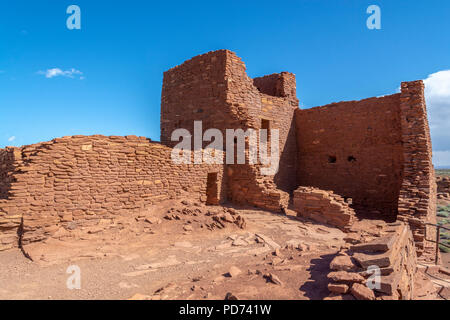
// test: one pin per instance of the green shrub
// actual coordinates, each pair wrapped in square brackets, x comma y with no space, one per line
[443,214]
[442,172]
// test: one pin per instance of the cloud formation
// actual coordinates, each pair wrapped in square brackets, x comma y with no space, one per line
[437,94]
[57,72]
[11,139]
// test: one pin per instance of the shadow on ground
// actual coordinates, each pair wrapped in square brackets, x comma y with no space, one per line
[316,287]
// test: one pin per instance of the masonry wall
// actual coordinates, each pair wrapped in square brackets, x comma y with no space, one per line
[75,181]
[196,91]
[323,206]
[355,149]
[279,110]
[215,89]
[443,187]
[6,171]
[393,252]
[278,84]
[10,218]
[417,200]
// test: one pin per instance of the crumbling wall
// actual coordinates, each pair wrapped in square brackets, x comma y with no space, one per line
[75,181]
[417,200]
[215,89]
[355,149]
[323,206]
[279,101]
[383,269]
[278,84]
[247,184]
[443,187]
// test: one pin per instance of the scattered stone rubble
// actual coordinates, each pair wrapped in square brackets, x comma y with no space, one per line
[220,216]
[393,253]
[323,206]
[443,188]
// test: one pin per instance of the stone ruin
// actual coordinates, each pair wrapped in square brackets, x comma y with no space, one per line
[443,188]
[340,162]
[393,252]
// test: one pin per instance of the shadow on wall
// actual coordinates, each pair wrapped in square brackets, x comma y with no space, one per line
[6,171]
[285,179]
[216,188]
[355,149]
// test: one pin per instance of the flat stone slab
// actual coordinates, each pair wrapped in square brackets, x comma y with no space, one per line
[268,241]
[382,244]
[345,277]
[380,260]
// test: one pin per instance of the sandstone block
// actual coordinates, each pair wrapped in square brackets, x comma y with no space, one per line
[361,292]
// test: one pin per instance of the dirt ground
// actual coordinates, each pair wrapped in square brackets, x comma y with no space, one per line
[180,250]
[273,257]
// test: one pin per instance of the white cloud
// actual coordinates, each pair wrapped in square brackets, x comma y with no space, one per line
[57,72]
[11,139]
[437,94]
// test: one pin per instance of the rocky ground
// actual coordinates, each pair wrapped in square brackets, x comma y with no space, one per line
[179,250]
[182,250]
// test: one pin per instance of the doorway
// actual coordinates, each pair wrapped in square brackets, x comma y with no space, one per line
[212,189]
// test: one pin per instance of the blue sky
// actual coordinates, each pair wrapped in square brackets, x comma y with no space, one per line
[107,76]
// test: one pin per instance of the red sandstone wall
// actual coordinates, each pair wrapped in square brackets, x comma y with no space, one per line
[365,139]
[215,89]
[323,206]
[6,170]
[10,218]
[443,187]
[393,252]
[417,201]
[196,91]
[78,180]
[278,85]
[253,106]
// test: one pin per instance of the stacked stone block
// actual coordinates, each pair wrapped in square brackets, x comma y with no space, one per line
[355,149]
[393,253]
[215,89]
[75,181]
[323,206]
[10,215]
[443,187]
[417,199]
